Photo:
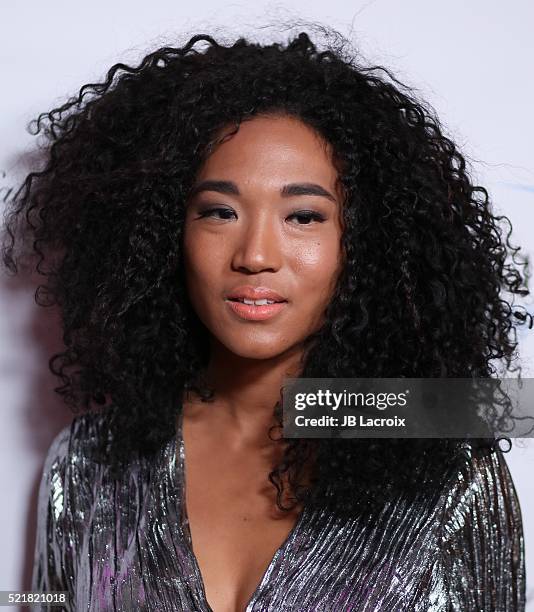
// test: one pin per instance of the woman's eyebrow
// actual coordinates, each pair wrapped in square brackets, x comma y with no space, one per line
[291,189]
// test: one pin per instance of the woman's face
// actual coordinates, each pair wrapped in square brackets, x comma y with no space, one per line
[264,213]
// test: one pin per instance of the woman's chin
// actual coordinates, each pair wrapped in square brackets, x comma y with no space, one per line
[257,349]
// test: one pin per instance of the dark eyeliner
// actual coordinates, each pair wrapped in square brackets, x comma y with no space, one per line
[205,212]
[309,214]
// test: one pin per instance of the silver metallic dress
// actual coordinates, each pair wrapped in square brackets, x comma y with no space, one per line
[126,546]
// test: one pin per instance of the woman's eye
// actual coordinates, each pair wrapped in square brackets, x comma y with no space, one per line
[307,216]
[209,212]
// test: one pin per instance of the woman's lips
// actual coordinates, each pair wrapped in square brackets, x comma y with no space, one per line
[251,312]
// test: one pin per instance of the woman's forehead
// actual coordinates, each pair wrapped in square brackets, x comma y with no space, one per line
[270,150]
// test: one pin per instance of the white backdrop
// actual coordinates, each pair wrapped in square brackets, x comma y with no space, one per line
[472,61]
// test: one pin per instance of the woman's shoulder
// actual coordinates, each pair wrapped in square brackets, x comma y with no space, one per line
[75,442]
[70,467]
[480,479]
[482,541]
[71,484]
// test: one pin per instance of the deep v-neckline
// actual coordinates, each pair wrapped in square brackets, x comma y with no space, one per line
[179,483]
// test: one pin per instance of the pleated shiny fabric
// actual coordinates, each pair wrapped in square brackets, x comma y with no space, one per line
[126,545]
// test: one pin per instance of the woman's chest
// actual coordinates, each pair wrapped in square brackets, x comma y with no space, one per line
[233,525]
[132,551]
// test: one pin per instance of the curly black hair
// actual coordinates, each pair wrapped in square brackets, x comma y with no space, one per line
[425,260]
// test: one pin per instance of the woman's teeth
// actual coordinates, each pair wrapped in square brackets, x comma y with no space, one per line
[255,302]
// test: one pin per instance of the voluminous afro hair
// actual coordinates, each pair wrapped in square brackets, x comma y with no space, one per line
[420,294]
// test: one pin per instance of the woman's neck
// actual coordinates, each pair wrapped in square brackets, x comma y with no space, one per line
[246,392]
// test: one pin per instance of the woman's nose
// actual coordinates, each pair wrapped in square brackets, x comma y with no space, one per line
[258,246]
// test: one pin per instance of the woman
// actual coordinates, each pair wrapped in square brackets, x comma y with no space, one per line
[197,180]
